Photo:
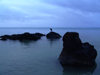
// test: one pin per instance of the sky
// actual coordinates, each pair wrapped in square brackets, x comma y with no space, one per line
[49,13]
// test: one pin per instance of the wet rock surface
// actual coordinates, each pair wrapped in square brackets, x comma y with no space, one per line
[76,53]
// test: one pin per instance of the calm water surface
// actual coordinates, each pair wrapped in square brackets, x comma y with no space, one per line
[41,57]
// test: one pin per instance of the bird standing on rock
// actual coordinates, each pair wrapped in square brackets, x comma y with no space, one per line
[51,29]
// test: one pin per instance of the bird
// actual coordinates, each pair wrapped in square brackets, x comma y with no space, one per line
[51,29]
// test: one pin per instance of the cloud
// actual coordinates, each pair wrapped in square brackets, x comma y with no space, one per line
[78,13]
[44,13]
[82,5]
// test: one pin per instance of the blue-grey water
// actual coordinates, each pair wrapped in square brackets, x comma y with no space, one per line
[41,57]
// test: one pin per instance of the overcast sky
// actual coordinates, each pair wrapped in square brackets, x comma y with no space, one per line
[49,13]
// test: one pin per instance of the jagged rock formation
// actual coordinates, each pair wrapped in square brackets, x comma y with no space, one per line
[76,53]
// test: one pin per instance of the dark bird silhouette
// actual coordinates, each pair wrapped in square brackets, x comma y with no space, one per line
[51,29]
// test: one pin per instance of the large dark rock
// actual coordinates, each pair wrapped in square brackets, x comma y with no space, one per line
[76,53]
[53,35]
[24,36]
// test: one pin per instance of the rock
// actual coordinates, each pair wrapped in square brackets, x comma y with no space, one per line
[4,38]
[76,53]
[24,36]
[53,35]
[39,34]
[71,41]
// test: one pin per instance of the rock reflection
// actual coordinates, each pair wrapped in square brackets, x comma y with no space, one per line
[27,42]
[53,41]
[69,70]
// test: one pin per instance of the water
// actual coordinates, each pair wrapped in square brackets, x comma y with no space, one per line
[41,57]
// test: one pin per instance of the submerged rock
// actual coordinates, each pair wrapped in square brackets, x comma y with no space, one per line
[53,35]
[76,53]
[24,36]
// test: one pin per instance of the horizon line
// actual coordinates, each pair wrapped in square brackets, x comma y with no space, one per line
[52,27]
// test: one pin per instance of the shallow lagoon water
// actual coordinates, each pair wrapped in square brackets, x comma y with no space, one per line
[41,57]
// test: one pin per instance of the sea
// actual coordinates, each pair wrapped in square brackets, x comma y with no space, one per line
[41,57]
